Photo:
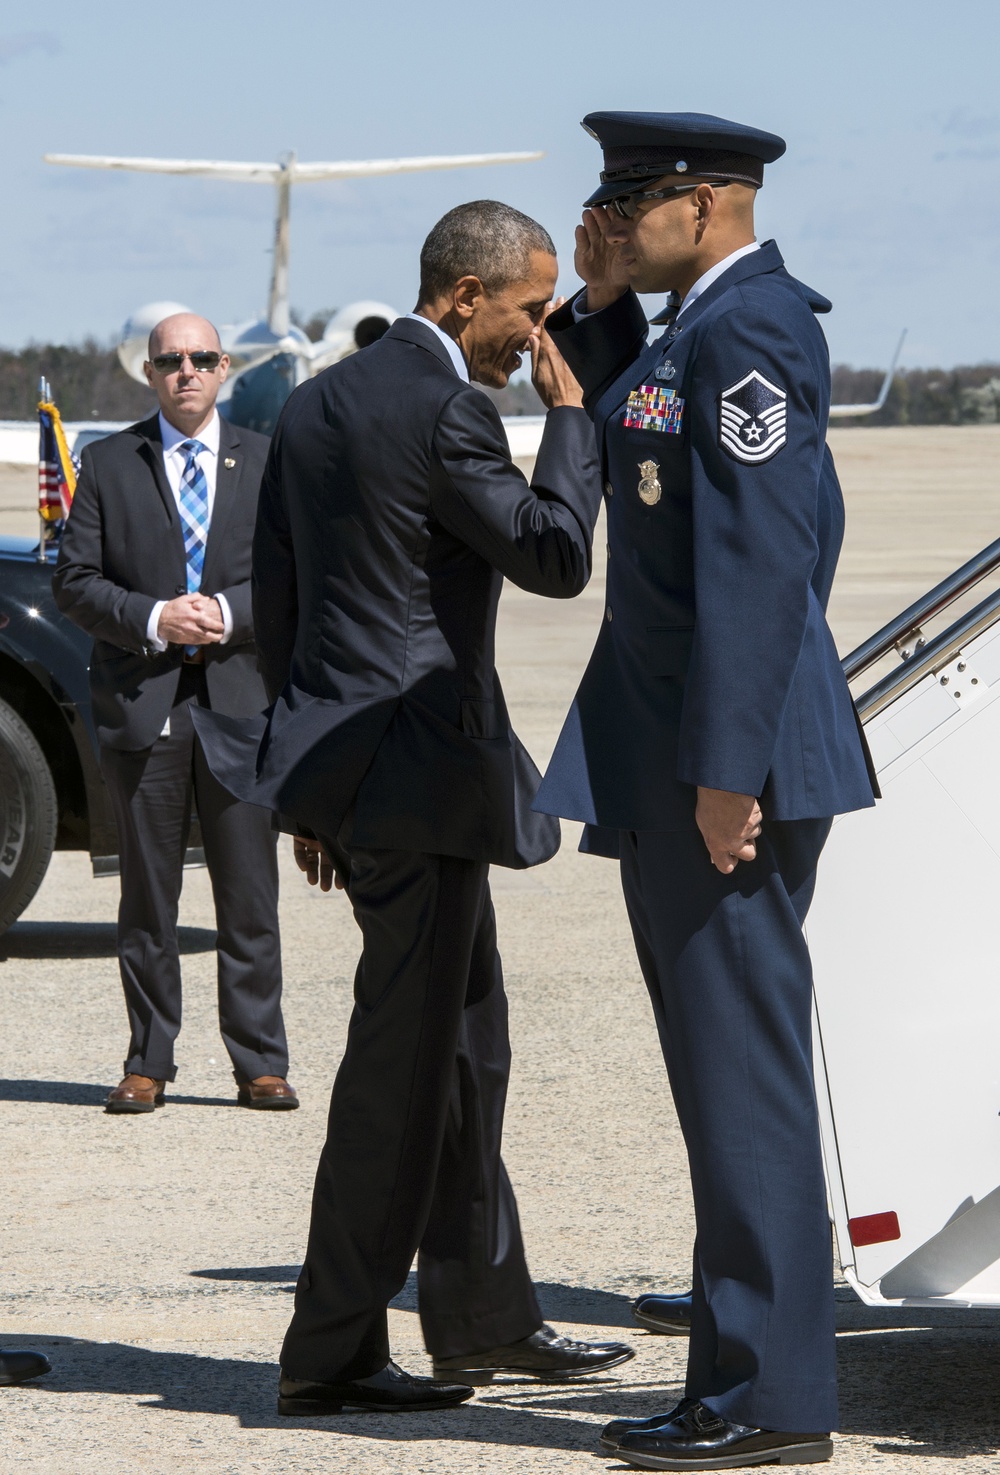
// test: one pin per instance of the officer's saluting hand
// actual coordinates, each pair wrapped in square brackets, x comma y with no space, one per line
[714,714]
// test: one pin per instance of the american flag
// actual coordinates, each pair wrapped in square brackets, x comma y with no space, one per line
[58,468]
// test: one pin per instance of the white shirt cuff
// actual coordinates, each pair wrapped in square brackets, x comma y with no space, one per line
[153,625]
[227,617]
[578,312]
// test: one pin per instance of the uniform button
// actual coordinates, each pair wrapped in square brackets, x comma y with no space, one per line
[609,614]
[609,489]
[180,588]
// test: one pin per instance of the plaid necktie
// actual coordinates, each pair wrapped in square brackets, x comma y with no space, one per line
[194,513]
[194,518]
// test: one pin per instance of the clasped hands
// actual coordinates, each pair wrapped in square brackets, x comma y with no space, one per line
[730,826]
[191,619]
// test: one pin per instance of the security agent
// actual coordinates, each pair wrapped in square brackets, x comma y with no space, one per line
[712,739]
[389,516]
[155,565]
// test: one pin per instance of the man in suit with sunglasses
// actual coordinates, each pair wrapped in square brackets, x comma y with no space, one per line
[155,565]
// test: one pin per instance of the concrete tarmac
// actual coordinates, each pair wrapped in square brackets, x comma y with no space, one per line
[153,1258]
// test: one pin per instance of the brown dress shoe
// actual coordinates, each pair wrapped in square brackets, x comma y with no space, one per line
[267,1093]
[135,1094]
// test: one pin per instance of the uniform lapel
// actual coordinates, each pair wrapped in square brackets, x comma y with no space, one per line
[228,475]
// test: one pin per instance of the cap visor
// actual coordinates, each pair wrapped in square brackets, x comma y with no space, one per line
[606,192]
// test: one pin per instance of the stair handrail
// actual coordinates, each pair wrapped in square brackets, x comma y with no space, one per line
[930,658]
[904,634]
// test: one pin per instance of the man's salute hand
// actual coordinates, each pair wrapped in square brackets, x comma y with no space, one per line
[598,260]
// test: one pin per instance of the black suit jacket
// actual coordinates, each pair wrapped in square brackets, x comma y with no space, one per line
[123,550]
[389,515]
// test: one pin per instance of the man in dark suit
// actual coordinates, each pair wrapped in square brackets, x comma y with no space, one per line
[389,515]
[711,741]
[155,565]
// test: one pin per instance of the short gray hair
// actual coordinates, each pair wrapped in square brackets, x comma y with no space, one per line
[483,239]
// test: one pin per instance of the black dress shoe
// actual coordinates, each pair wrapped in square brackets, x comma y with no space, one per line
[390,1391]
[612,1433]
[669,1315]
[18,1367]
[699,1439]
[544,1357]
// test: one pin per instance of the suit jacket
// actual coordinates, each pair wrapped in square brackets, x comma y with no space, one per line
[715,665]
[123,550]
[389,515]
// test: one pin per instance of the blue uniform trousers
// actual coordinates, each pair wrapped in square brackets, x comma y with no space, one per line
[729,976]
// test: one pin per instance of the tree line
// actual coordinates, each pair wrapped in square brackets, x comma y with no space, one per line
[89,383]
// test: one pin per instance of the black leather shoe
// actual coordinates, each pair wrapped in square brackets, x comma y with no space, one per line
[544,1357]
[699,1439]
[18,1367]
[389,1392]
[612,1433]
[669,1315]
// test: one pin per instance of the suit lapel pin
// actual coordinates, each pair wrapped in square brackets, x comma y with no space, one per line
[229,463]
[649,482]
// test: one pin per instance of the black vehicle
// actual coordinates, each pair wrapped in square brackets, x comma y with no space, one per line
[52,796]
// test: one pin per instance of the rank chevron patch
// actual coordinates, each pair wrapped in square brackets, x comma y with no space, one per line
[752,416]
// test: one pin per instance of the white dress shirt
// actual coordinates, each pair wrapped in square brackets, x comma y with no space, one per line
[174,461]
[457,357]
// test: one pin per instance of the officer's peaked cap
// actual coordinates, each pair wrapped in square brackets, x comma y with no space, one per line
[641,147]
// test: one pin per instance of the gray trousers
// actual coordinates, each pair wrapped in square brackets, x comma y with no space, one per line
[151,792]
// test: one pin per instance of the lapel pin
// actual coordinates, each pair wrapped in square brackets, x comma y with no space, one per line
[229,463]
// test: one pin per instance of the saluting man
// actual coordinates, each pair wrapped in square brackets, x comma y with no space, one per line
[713,738]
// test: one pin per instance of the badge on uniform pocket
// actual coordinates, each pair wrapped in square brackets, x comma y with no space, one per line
[653,408]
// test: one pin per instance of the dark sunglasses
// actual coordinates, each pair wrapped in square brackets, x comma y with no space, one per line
[627,205]
[203,361]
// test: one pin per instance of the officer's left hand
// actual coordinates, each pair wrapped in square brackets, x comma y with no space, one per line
[311,858]
[729,825]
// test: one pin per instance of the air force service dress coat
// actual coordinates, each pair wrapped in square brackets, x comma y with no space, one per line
[389,516]
[714,459]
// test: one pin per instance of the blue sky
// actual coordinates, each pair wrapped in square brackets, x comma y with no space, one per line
[888,199]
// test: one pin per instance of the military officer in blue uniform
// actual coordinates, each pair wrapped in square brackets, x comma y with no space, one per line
[713,738]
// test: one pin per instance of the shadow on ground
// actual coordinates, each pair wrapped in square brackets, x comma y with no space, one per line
[87,1093]
[84,940]
[560,1303]
[919,1392]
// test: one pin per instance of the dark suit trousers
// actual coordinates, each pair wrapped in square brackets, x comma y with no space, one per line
[151,791]
[412,1155]
[729,976]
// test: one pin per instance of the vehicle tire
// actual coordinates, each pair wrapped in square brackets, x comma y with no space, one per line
[28,813]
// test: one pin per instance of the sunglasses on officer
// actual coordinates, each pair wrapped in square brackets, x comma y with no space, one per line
[626,206]
[203,360]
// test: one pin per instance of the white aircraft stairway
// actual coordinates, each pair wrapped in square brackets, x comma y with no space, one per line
[905,938]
